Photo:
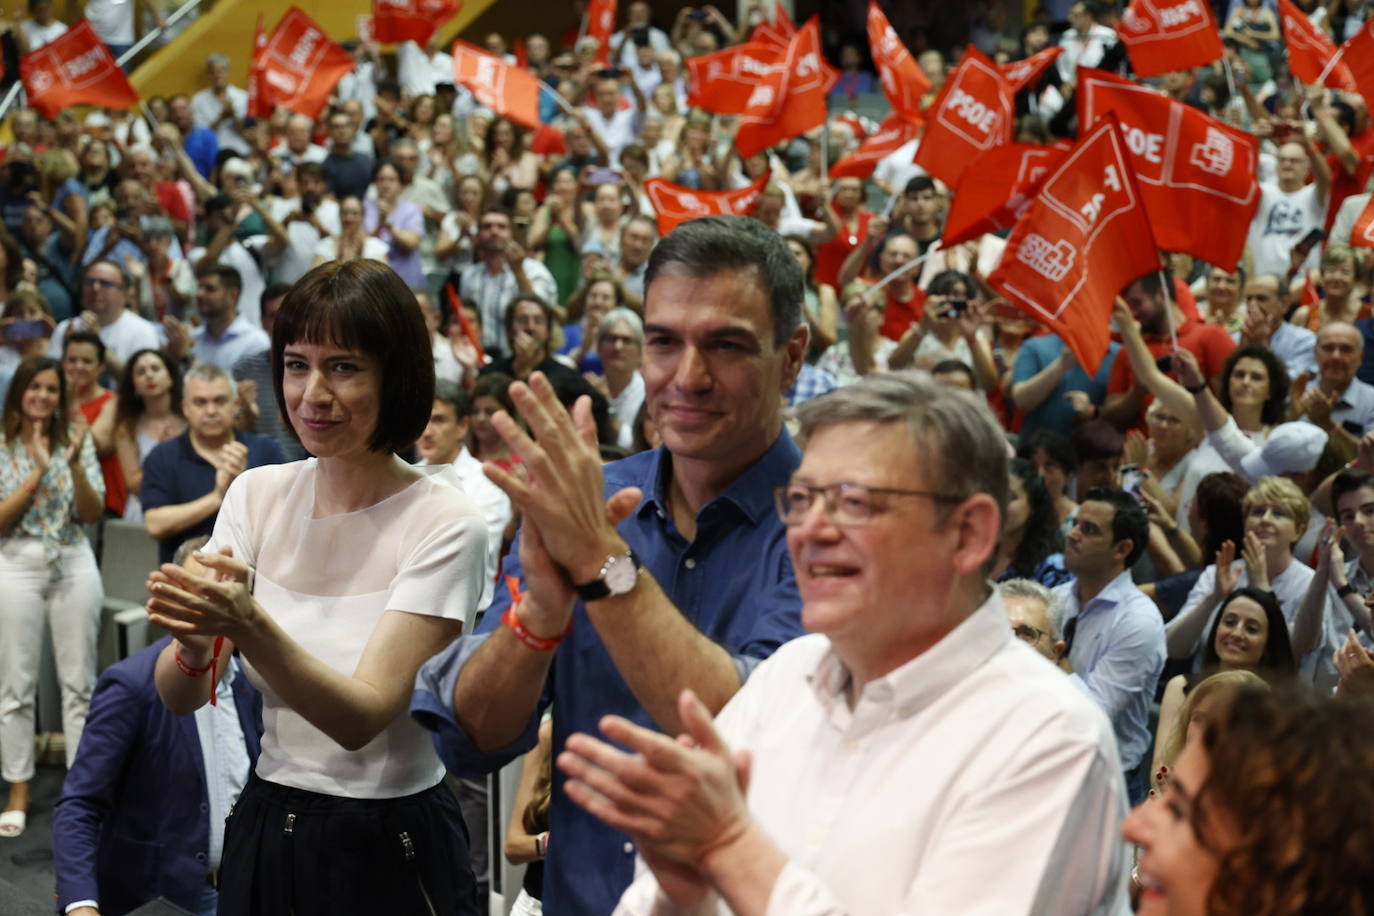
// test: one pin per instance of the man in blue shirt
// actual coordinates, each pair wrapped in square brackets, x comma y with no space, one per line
[1115,634]
[1053,391]
[692,588]
[185,479]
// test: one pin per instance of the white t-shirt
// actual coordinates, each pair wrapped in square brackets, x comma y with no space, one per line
[206,109]
[1281,221]
[326,581]
[373,247]
[124,337]
[112,20]
[39,35]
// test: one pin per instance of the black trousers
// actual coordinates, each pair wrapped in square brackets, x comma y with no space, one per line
[288,851]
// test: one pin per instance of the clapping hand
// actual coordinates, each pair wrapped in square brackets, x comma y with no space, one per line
[1256,562]
[1355,664]
[1226,574]
[230,462]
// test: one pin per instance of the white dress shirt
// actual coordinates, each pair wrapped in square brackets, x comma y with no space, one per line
[974,779]
[225,756]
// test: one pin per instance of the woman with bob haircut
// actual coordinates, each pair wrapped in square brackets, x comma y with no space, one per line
[1266,811]
[335,578]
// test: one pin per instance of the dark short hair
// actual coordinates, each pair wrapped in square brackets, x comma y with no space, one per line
[454,395]
[918,184]
[229,277]
[384,163]
[1219,498]
[508,317]
[1096,439]
[217,203]
[1054,444]
[952,366]
[273,291]
[1150,284]
[1275,405]
[943,283]
[85,337]
[1348,481]
[1129,521]
[712,244]
[495,385]
[1277,657]
[362,305]
[313,169]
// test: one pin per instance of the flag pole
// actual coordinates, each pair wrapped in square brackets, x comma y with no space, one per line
[1165,287]
[891,202]
[562,102]
[825,147]
[914,262]
[1230,78]
[1330,65]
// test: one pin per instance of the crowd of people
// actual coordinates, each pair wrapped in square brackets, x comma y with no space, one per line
[451,457]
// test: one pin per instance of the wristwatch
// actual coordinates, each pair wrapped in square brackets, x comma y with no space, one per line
[618,575]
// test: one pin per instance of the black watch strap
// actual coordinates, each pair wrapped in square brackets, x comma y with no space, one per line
[1346,589]
[598,588]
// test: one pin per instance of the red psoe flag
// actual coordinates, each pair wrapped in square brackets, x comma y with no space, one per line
[1359,56]
[300,66]
[1197,174]
[1362,233]
[723,81]
[1021,73]
[1082,239]
[511,92]
[903,81]
[972,114]
[777,33]
[1311,55]
[601,26]
[790,100]
[258,104]
[675,204]
[410,20]
[996,189]
[890,136]
[74,69]
[1164,35]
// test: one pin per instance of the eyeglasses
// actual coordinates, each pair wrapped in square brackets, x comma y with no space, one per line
[847,504]
[100,283]
[1028,633]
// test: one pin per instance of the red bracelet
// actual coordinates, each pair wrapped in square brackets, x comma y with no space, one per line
[212,667]
[512,620]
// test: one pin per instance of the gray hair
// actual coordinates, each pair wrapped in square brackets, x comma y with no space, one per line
[217,58]
[620,315]
[1034,591]
[961,446]
[189,547]
[209,372]
[711,245]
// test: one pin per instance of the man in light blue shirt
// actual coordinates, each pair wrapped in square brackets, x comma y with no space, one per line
[226,336]
[1115,634]
[1265,326]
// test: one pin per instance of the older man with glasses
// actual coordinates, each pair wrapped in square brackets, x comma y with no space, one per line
[910,755]
[104,310]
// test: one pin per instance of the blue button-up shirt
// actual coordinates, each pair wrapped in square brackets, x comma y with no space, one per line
[1117,656]
[734,582]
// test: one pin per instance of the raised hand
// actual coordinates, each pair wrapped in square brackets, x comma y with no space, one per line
[231,461]
[1256,562]
[1226,576]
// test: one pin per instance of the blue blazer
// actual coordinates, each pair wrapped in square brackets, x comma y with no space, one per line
[133,822]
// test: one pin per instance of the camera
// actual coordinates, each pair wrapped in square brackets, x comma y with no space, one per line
[955,307]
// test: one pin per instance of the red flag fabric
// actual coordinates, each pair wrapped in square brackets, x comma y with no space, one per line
[996,189]
[1164,35]
[1362,233]
[1087,211]
[675,204]
[791,99]
[1197,174]
[74,69]
[258,104]
[300,66]
[1021,73]
[723,81]
[777,33]
[903,81]
[410,20]
[601,26]
[511,92]
[1359,57]
[1311,55]
[973,114]
[465,326]
[886,140]
[522,58]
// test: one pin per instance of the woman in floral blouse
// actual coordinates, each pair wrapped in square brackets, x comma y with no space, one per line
[50,483]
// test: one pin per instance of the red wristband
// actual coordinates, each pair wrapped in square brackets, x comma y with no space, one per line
[187,669]
[512,620]
[212,667]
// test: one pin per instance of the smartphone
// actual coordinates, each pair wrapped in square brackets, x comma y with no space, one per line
[1165,363]
[1304,245]
[26,330]
[520,228]
[1130,479]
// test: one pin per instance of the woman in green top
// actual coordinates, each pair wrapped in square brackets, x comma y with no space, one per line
[558,230]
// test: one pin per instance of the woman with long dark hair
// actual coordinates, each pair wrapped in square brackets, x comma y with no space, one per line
[147,413]
[1031,547]
[50,485]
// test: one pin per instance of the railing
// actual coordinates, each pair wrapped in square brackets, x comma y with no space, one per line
[180,13]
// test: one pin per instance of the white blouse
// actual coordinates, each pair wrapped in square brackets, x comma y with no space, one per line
[327,581]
